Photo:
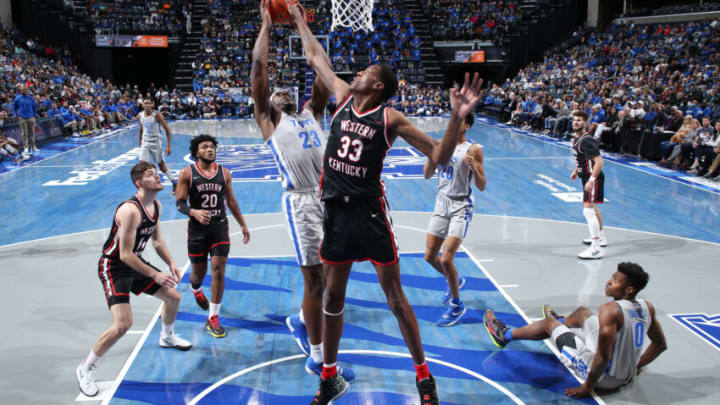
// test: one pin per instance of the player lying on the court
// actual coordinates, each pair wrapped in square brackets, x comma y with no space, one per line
[452,215]
[297,142]
[122,270]
[604,350]
[10,148]
[357,225]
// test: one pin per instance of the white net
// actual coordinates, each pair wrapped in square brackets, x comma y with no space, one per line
[356,14]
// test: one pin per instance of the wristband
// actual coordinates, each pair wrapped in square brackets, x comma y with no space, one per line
[592,178]
[182,207]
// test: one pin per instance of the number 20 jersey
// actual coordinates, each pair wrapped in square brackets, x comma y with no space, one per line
[208,193]
[356,148]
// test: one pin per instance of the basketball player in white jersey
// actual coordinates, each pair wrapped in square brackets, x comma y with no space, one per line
[297,142]
[149,123]
[452,215]
[606,349]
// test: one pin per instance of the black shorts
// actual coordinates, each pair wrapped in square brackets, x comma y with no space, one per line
[213,238]
[118,279]
[358,230]
[597,194]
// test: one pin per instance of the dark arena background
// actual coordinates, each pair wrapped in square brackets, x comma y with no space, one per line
[74,75]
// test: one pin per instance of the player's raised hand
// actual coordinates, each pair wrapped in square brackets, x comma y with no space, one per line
[164,280]
[464,99]
[470,160]
[297,12]
[265,13]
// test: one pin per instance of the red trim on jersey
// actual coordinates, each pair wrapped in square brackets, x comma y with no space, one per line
[364,113]
[114,242]
[197,255]
[145,209]
[190,174]
[387,140]
[216,244]
[340,107]
[383,205]
[214,165]
[146,288]
[109,275]
[322,173]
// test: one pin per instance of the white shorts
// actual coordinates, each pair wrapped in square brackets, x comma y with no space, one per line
[451,217]
[8,150]
[152,153]
[303,213]
[580,357]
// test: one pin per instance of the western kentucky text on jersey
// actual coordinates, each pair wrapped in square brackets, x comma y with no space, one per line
[346,168]
[357,128]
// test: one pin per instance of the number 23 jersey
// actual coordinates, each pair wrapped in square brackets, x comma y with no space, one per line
[356,148]
[208,192]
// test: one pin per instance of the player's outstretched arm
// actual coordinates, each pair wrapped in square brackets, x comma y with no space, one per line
[319,99]
[129,219]
[658,344]
[474,159]
[161,248]
[259,83]
[316,56]
[160,119]
[234,206]
[609,317]
[429,169]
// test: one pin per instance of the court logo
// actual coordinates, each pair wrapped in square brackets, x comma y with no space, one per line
[707,327]
[256,163]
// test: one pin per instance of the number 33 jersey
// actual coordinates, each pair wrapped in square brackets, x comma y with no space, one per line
[207,191]
[356,148]
[297,145]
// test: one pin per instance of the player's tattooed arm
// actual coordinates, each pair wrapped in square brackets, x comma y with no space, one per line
[234,206]
[658,343]
[259,82]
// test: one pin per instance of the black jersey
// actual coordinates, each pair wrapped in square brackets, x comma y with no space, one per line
[208,193]
[355,152]
[585,148]
[111,248]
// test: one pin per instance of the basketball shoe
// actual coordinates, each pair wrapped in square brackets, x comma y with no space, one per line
[174,341]
[299,332]
[593,252]
[602,241]
[427,389]
[86,379]
[548,312]
[495,328]
[330,390]
[448,296]
[453,314]
[312,367]
[213,326]
[201,299]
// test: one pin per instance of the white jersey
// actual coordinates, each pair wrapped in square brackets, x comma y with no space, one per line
[151,129]
[455,177]
[629,340]
[298,145]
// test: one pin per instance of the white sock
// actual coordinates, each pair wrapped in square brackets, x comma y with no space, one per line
[91,360]
[316,352]
[214,309]
[167,330]
[602,234]
[302,317]
[593,225]
[194,290]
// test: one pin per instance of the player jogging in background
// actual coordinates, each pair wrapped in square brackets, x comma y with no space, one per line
[606,349]
[357,224]
[123,270]
[589,169]
[297,142]
[452,216]
[149,123]
[209,187]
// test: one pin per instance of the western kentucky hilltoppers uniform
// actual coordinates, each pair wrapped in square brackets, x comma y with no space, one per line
[585,149]
[117,278]
[357,223]
[208,193]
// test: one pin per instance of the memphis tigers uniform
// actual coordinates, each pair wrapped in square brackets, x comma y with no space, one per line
[585,149]
[297,145]
[453,204]
[208,193]
[357,223]
[578,346]
[117,278]
[151,145]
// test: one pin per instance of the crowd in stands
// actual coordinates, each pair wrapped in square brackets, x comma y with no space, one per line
[676,9]
[471,19]
[166,17]
[636,82]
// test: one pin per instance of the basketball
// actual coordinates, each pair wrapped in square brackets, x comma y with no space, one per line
[279,11]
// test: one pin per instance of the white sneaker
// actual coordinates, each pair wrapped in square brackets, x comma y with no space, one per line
[86,380]
[602,241]
[35,149]
[26,156]
[174,341]
[591,253]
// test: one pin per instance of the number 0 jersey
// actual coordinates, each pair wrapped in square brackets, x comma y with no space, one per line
[111,248]
[355,152]
[208,193]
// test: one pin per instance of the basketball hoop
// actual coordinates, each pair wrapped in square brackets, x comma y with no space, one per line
[356,14]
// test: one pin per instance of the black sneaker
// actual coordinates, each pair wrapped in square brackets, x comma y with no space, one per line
[330,390]
[213,326]
[201,299]
[495,328]
[427,389]
[549,313]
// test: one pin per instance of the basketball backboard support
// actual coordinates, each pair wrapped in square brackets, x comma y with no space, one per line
[296,49]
